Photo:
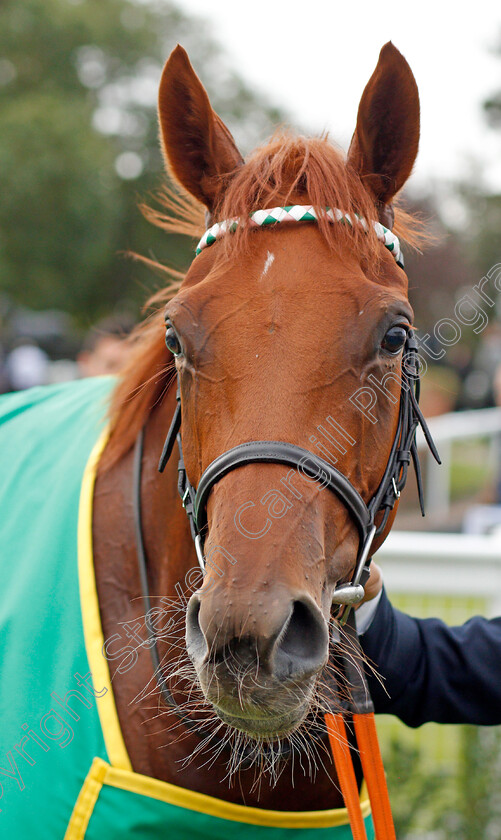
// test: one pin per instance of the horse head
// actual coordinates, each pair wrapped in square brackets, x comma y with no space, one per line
[291,333]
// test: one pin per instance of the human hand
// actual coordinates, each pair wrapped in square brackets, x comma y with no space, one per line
[367,608]
[374,584]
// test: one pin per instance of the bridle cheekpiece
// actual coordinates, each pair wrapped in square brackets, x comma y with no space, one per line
[403,449]
[195,500]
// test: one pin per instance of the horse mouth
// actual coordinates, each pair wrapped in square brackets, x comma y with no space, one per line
[269,727]
[262,710]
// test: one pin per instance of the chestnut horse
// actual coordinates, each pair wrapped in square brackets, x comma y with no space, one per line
[293,333]
[272,331]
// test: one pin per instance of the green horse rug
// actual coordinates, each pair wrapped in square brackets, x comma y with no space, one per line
[64,769]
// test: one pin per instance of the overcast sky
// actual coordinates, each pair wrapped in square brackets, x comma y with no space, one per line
[314,57]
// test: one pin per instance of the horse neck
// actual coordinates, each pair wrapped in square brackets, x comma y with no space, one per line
[158,743]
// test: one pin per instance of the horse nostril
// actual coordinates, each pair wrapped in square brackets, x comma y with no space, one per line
[195,639]
[292,646]
[302,648]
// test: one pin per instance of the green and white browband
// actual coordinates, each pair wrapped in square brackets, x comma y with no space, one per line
[301,213]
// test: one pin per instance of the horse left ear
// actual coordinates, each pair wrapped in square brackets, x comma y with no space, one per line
[197,146]
[386,139]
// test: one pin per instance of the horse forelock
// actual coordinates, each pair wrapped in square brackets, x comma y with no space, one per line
[289,169]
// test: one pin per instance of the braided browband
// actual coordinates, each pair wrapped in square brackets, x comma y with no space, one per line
[301,213]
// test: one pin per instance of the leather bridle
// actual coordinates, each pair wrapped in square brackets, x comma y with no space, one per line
[364,515]
[371,519]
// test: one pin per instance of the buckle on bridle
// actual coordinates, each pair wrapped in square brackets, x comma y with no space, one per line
[395,489]
[200,552]
[350,594]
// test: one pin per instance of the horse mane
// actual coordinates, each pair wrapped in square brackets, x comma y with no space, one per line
[288,170]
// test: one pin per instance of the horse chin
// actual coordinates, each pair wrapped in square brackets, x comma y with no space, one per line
[266,727]
[262,708]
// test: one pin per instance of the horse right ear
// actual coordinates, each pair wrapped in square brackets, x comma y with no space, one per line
[198,148]
[386,138]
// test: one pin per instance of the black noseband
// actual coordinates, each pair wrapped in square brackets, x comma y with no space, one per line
[280,452]
[311,465]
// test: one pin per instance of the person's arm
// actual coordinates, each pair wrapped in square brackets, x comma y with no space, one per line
[432,672]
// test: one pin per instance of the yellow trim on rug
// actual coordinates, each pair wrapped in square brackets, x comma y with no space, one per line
[93,632]
[119,773]
[209,805]
[87,798]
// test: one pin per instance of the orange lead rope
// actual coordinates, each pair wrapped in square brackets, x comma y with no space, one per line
[372,765]
[345,773]
[349,665]
[375,777]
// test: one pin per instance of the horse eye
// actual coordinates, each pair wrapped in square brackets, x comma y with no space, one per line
[394,340]
[172,342]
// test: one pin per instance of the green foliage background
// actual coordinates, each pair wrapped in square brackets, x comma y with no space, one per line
[78,86]
[78,83]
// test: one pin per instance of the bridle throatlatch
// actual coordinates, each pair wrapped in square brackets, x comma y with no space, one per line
[370,518]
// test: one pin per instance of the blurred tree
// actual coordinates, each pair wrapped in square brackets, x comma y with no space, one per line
[483,237]
[438,804]
[417,795]
[79,144]
[438,272]
[492,105]
[476,813]
[461,256]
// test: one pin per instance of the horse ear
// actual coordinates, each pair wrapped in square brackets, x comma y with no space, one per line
[386,138]
[197,146]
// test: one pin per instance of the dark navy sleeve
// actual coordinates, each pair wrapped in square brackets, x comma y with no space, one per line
[432,672]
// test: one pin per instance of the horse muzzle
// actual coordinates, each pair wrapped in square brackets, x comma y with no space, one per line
[260,680]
